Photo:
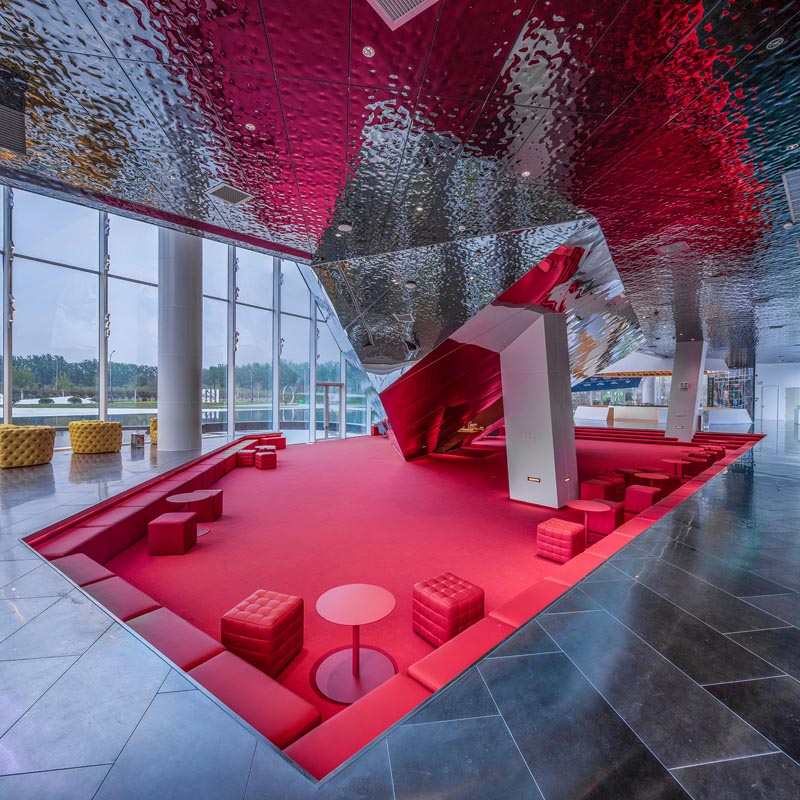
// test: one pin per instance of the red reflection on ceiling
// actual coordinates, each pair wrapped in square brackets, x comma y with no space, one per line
[457,381]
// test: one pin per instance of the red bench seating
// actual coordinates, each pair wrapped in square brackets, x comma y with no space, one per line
[82,569]
[92,542]
[121,599]
[182,643]
[273,710]
[452,658]
[528,603]
[326,747]
[577,568]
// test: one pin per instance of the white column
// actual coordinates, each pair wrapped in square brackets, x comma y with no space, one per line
[649,391]
[540,437]
[180,340]
[685,391]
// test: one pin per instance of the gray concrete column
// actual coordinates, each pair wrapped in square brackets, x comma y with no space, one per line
[180,340]
[685,390]
[537,402]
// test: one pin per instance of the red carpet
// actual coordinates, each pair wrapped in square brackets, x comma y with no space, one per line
[354,512]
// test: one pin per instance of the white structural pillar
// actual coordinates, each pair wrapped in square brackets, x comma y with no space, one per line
[537,402]
[180,340]
[684,394]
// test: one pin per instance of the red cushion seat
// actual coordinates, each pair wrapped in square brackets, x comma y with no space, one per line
[246,458]
[209,508]
[182,643]
[266,460]
[559,539]
[172,534]
[92,542]
[443,606]
[609,545]
[452,658]
[528,603]
[126,525]
[82,569]
[121,599]
[605,522]
[597,489]
[638,498]
[273,710]
[323,749]
[577,568]
[152,502]
[265,629]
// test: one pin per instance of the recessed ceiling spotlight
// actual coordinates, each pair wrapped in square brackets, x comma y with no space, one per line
[788,225]
[462,228]
[249,126]
[369,52]
[345,227]
[418,209]
[775,43]
[526,173]
[338,235]
[411,284]
[479,254]
[171,177]
[792,146]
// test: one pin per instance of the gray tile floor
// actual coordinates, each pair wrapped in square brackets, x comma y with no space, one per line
[671,672]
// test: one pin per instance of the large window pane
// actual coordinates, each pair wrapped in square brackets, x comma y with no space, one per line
[329,370]
[328,356]
[294,379]
[56,231]
[215,365]
[132,352]
[294,291]
[55,363]
[133,249]
[254,278]
[358,385]
[215,269]
[253,395]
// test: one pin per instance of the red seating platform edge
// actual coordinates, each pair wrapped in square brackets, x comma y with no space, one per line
[273,710]
[326,747]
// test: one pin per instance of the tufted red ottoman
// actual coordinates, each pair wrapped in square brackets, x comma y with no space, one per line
[559,539]
[245,458]
[606,522]
[172,534]
[638,498]
[265,629]
[443,606]
[266,460]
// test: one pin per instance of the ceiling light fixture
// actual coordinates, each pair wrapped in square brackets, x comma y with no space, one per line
[411,284]
[418,209]
[345,227]
[249,126]
[775,43]
[369,52]
[338,235]
[479,254]
[462,228]
[793,146]
[526,174]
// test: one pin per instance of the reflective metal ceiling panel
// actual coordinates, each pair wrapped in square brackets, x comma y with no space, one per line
[669,121]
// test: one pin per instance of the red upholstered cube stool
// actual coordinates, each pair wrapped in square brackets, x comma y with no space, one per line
[265,629]
[172,534]
[638,498]
[606,522]
[617,482]
[597,489]
[209,507]
[266,460]
[245,458]
[443,606]
[559,539]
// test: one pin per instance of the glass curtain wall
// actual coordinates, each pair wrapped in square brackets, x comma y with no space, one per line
[84,338]
[56,297]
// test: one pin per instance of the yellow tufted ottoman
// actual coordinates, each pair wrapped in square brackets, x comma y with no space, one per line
[26,445]
[153,430]
[95,436]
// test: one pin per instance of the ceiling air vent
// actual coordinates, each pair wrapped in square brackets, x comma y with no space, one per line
[404,317]
[229,194]
[396,13]
[12,111]
[791,185]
